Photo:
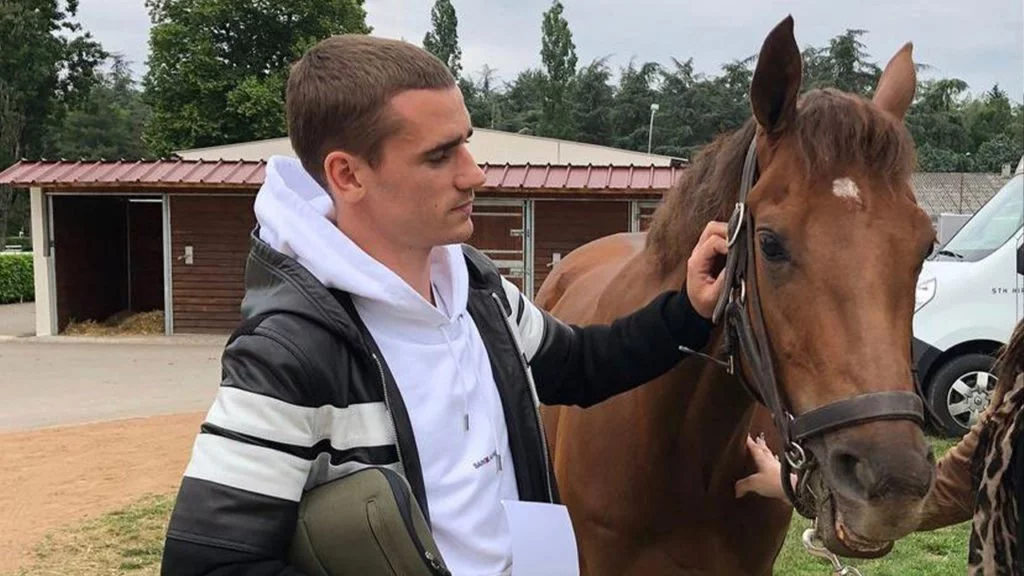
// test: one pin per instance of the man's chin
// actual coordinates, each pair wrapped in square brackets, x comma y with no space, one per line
[462,232]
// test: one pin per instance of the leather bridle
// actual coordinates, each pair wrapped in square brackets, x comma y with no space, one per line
[747,338]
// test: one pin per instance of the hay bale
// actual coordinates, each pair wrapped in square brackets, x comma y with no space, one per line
[121,324]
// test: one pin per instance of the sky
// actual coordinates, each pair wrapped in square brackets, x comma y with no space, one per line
[978,41]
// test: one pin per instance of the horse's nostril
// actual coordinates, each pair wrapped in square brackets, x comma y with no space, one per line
[857,473]
[881,472]
[865,476]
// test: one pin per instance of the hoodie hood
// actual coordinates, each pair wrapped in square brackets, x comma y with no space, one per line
[296,218]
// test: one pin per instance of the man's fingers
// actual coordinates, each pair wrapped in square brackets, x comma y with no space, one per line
[713,228]
[719,244]
[705,253]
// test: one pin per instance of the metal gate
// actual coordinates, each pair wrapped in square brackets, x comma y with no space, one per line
[500,232]
[641,214]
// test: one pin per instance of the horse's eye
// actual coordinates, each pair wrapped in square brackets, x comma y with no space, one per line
[772,247]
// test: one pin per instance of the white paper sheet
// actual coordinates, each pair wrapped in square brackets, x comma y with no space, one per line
[543,542]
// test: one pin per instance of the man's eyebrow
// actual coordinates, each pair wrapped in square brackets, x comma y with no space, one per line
[449,144]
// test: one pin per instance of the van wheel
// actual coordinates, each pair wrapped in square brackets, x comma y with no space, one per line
[960,392]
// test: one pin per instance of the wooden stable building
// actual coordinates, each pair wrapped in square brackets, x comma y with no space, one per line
[173,235]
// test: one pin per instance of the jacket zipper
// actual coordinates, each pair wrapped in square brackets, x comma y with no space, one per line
[391,416]
[434,563]
[533,394]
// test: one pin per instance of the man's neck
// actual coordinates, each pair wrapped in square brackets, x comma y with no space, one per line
[410,264]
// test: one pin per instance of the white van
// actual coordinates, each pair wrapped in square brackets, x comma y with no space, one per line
[970,296]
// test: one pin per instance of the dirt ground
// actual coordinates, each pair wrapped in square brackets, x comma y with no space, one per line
[58,476]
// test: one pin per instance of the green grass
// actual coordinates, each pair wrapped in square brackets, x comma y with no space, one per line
[939,553]
[125,542]
[130,542]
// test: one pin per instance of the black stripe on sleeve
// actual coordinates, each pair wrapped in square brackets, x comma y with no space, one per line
[372,455]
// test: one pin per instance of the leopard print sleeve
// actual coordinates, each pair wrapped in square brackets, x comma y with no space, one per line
[951,500]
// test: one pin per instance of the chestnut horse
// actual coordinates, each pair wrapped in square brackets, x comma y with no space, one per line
[648,476]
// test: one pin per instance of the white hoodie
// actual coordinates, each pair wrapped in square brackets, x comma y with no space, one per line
[437,358]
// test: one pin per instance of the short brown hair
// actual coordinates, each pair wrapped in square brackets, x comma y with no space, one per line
[339,90]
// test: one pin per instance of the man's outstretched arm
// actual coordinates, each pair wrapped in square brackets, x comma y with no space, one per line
[584,365]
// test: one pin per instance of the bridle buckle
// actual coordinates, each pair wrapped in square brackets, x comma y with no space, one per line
[736,222]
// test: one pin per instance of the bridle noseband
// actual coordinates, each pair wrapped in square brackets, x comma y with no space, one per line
[747,338]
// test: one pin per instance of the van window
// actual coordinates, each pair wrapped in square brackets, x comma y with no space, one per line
[990,227]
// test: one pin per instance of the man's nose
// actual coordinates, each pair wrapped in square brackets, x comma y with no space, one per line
[471,176]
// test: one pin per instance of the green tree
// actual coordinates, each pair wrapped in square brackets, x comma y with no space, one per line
[483,98]
[936,122]
[558,53]
[218,68]
[994,153]
[107,123]
[46,65]
[443,40]
[591,101]
[988,117]
[842,64]
[521,106]
[633,99]
[681,96]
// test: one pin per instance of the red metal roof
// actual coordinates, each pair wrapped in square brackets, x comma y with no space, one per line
[590,177]
[185,173]
[248,175]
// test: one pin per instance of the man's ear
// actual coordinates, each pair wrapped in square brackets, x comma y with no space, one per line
[342,174]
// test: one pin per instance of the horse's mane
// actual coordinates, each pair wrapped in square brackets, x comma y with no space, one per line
[836,133]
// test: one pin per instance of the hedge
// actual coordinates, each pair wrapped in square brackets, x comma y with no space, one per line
[16,281]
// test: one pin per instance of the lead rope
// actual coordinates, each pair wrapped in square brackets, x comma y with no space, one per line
[814,547]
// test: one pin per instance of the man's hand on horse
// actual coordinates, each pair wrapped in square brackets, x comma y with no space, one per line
[704,277]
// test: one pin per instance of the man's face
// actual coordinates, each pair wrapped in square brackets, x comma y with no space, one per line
[421,194]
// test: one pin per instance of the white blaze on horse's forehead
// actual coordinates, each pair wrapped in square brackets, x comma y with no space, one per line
[845,188]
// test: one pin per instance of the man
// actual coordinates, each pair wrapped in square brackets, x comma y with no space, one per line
[373,338]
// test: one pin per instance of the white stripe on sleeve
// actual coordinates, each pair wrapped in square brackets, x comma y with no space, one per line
[356,425]
[247,467]
[531,321]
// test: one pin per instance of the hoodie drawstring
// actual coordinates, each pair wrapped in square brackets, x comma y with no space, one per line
[465,394]
[462,379]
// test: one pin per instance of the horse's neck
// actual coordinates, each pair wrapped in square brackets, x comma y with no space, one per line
[711,420]
[698,415]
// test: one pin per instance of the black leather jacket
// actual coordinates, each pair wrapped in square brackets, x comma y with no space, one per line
[302,357]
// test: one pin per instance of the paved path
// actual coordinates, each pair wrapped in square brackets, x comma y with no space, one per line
[18,319]
[58,381]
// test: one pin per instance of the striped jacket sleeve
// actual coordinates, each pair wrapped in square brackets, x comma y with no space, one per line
[584,365]
[237,505]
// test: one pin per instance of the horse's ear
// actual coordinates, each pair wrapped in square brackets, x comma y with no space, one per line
[776,84]
[895,91]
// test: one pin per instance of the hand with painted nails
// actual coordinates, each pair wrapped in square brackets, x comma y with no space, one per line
[767,480]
